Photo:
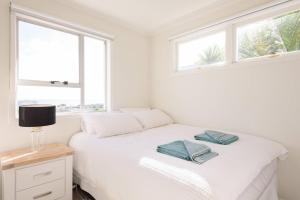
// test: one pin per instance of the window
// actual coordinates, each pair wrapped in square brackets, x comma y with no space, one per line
[61,67]
[203,51]
[272,30]
[271,36]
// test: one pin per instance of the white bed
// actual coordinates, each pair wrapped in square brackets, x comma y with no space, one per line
[127,167]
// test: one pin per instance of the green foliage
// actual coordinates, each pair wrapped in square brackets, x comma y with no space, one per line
[278,35]
[212,54]
[289,29]
[259,42]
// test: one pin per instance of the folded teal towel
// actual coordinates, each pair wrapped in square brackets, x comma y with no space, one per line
[217,137]
[198,153]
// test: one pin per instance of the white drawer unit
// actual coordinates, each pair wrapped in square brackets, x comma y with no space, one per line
[39,174]
[48,191]
[44,175]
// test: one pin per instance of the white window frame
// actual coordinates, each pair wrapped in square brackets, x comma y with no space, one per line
[230,25]
[269,14]
[195,36]
[20,14]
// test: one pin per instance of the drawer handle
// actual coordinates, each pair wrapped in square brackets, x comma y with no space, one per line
[42,195]
[43,174]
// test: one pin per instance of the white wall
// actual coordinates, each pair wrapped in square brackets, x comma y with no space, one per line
[130,85]
[260,98]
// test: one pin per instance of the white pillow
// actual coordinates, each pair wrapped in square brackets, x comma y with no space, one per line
[132,110]
[109,124]
[153,118]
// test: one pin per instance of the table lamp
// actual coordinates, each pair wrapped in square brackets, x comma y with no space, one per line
[36,116]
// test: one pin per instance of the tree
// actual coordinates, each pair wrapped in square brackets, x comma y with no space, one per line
[280,34]
[263,40]
[212,54]
[289,30]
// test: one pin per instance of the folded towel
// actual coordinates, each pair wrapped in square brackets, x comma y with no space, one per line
[198,153]
[217,137]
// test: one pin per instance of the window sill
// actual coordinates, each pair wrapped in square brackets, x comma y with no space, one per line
[291,56]
[69,114]
[288,55]
[199,68]
[76,114]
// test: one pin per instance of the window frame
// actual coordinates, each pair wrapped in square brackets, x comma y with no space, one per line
[195,36]
[230,26]
[267,15]
[55,24]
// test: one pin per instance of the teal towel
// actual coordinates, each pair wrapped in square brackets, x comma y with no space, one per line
[217,137]
[198,153]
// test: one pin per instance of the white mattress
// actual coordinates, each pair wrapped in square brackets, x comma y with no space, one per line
[259,185]
[127,167]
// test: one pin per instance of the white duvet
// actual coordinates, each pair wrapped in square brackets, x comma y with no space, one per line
[127,167]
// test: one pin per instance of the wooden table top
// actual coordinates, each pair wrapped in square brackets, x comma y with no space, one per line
[26,156]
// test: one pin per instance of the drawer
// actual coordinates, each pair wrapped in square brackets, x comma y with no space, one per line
[48,191]
[39,174]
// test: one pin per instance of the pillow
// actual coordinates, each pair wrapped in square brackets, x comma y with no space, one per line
[153,118]
[131,110]
[109,124]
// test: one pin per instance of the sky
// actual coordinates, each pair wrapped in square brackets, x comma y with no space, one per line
[47,54]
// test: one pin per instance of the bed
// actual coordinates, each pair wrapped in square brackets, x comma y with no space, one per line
[127,167]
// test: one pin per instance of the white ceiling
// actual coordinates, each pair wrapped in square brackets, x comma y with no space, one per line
[145,15]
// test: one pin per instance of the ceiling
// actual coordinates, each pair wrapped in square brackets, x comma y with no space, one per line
[145,15]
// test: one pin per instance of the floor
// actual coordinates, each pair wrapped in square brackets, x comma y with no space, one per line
[79,194]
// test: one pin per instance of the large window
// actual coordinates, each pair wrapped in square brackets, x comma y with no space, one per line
[246,38]
[61,67]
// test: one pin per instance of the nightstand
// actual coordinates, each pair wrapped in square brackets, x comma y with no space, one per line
[37,175]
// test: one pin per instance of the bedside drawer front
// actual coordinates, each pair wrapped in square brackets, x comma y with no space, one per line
[48,191]
[36,175]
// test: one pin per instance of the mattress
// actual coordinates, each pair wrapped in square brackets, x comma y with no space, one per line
[260,184]
[263,187]
[127,167]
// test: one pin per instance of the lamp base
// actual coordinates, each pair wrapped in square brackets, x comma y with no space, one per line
[36,138]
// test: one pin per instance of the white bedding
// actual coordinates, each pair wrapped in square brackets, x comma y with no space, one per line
[127,167]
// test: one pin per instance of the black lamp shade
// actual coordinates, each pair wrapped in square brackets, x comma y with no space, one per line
[37,115]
